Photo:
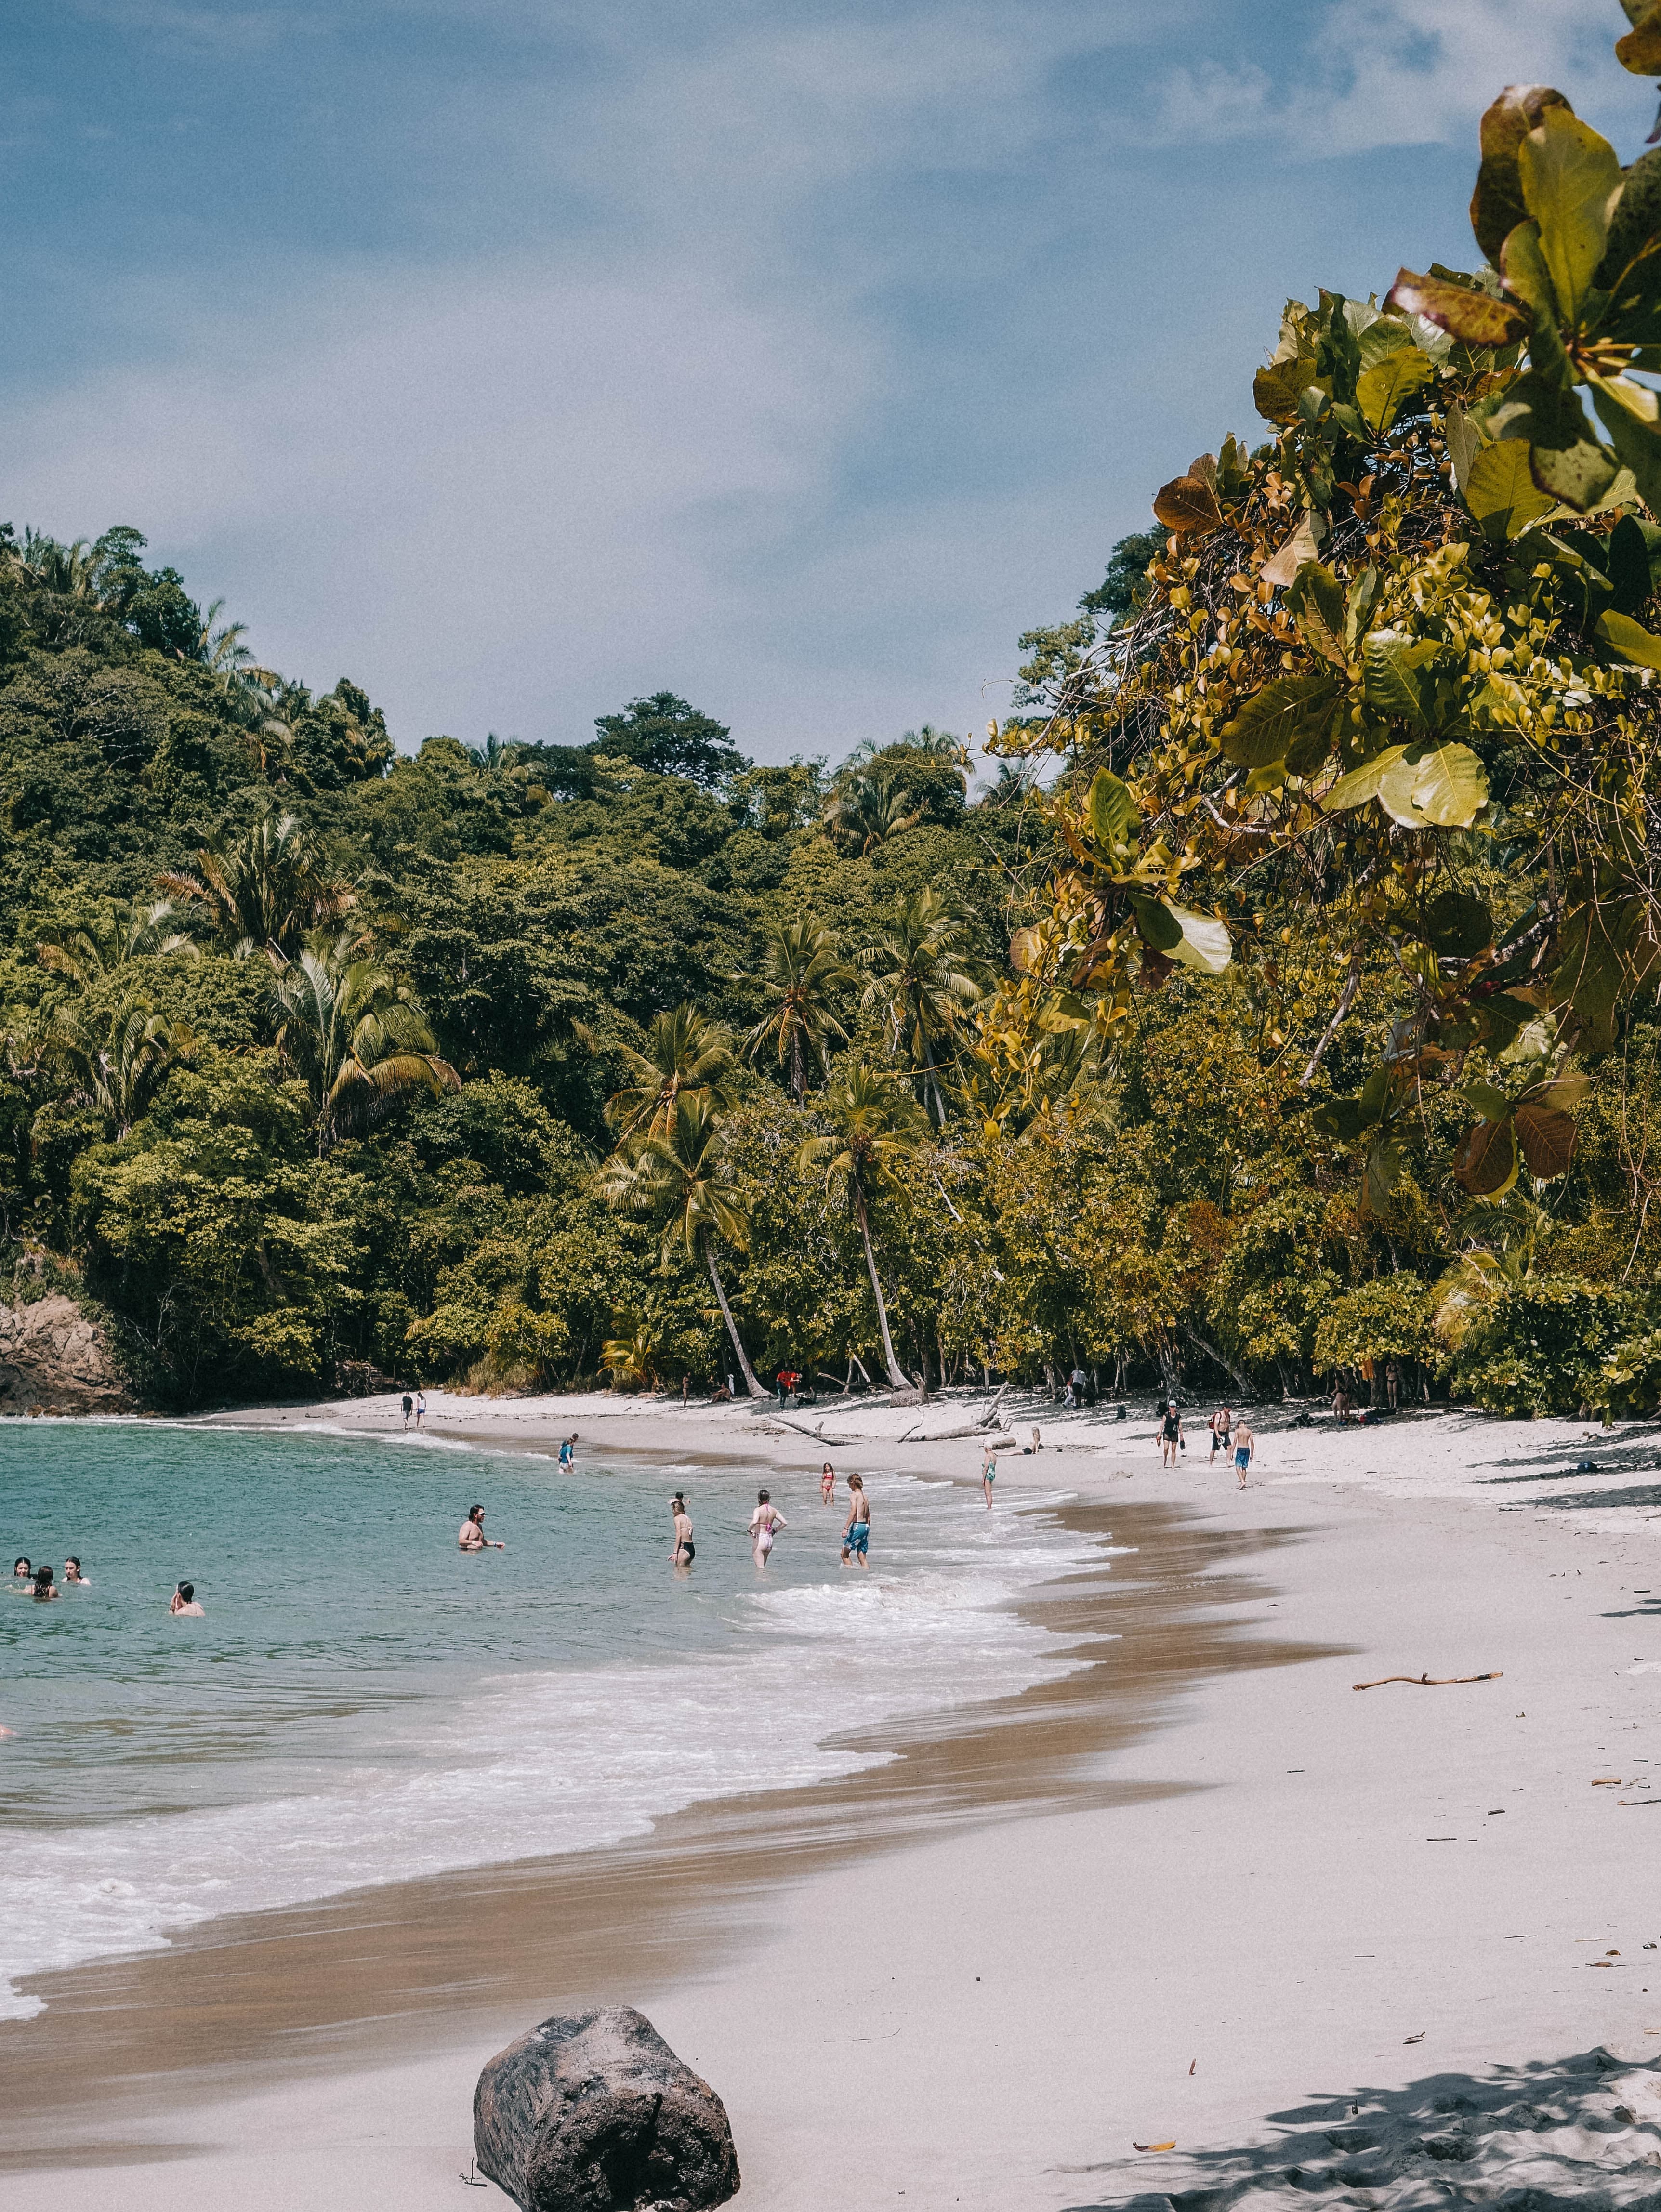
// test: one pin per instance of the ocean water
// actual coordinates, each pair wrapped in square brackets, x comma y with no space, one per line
[363,1704]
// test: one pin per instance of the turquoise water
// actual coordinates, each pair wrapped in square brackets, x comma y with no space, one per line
[362,1702]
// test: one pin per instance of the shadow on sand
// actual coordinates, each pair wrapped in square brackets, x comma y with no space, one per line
[1583,2131]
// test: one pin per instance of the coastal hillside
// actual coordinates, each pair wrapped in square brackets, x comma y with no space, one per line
[1280,1017]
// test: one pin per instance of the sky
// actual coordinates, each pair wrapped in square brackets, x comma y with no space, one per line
[516,358]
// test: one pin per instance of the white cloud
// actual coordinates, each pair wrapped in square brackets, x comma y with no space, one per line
[1401,73]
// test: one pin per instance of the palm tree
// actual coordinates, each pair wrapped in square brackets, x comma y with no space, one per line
[117,1064]
[865,810]
[357,1037]
[634,1357]
[684,1173]
[496,756]
[685,1055]
[923,977]
[875,1128]
[266,887]
[88,951]
[804,969]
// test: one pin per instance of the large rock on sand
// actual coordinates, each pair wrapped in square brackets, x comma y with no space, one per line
[595,2113]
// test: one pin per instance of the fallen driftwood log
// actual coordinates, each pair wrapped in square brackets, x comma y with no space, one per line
[595,2113]
[1429,1681]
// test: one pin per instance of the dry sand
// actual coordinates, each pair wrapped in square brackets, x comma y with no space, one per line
[1326,1942]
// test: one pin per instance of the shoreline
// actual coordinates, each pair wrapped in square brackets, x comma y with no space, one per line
[1260,1889]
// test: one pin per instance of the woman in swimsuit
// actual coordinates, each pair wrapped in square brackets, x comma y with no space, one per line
[44,1592]
[989,1472]
[857,1536]
[686,1550]
[828,1483]
[763,1522]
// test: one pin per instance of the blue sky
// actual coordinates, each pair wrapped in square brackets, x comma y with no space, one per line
[516,358]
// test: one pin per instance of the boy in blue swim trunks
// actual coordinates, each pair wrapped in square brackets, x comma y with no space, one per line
[1245,1443]
[857,1536]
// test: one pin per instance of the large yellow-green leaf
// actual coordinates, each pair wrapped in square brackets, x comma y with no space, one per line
[1382,392]
[1571,178]
[1496,205]
[1628,411]
[1115,818]
[1636,646]
[1275,390]
[1630,271]
[1269,722]
[1316,603]
[1206,944]
[1393,663]
[1475,318]
[1640,50]
[1361,784]
[1444,788]
[1500,490]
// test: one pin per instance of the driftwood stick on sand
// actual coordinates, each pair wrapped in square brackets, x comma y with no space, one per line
[1429,1681]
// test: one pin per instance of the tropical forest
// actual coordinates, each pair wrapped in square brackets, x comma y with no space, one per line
[1269,997]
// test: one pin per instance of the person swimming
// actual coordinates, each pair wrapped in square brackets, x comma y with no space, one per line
[184,1599]
[763,1522]
[471,1536]
[22,1575]
[44,1592]
[72,1573]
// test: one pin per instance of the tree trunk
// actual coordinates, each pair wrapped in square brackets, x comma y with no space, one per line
[899,1381]
[749,1382]
[1241,1382]
[798,1067]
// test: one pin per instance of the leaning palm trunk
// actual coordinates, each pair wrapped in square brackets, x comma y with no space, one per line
[751,1384]
[900,1381]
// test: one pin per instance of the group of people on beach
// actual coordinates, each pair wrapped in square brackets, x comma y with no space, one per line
[1232,1436]
[41,1585]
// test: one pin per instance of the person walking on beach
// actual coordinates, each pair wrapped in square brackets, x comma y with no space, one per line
[420,1410]
[409,1408]
[763,1522]
[828,1483]
[989,1471]
[1246,1444]
[184,1599]
[471,1536]
[857,1536]
[686,1550]
[44,1592]
[1170,1434]
[567,1454]
[1222,1422]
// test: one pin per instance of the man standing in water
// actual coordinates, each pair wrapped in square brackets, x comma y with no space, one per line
[856,1535]
[184,1601]
[471,1537]
[686,1550]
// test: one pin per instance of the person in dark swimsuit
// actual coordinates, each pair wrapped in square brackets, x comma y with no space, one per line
[686,1550]
[1170,1434]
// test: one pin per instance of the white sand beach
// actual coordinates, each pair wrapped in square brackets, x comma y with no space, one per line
[1311,1932]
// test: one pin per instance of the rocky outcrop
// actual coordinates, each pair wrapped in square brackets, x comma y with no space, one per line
[595,2113]
[54,1360]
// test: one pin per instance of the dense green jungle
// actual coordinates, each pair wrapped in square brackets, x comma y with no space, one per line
[1283,1011]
